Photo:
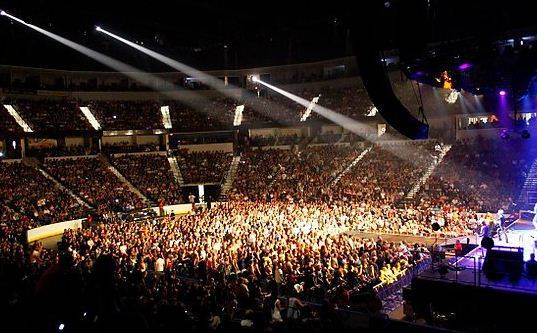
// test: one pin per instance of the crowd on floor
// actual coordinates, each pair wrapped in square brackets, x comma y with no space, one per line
[288,236]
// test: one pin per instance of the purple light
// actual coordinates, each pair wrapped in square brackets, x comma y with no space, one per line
[464,66]
[502,93]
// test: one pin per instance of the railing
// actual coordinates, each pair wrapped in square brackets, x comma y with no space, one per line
[386,289]
[469,270]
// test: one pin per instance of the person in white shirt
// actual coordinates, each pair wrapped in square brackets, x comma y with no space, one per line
[159,265]
[500,223]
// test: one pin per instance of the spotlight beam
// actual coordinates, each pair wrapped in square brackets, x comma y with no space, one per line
[346,122]
[203,77]
[217,84]
[235,93]
[149,80]
[134,73]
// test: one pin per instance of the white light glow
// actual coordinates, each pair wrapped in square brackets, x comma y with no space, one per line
[452,96]
[166,120]
[237,120]
[255,78]
[12,17]
[307,113]
[90,117]
[372,111]
[235,92]
[11,110]
[348,123]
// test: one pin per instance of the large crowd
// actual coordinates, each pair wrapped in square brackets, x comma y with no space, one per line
[203,166]
[290,237]
[289,174]
[93,181]
[151,174]
[385,174]
[30,194]
[483,175]
[127,115]
[50,115]
[192,114]
[248,263]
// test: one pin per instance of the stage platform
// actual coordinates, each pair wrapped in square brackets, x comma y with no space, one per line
[468,269]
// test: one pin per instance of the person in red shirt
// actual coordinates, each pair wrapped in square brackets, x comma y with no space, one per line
[458,248]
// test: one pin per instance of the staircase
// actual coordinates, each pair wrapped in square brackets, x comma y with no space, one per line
[350,166]
[428,172]
[36,164]
[60,185]
[124,180]
[528,194]
[175,170]
[303,144]
[230,176]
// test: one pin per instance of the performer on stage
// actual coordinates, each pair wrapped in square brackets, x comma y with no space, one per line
[485,230]
[500,224]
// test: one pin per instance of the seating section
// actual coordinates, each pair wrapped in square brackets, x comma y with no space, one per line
[26,191]
[7,123]
[197,113]
[61,151]
[386,173]
[151,174]
[127,115]
[289,175]
[202,115]
[94,182]
[51,115]
[483,175]
[204,167]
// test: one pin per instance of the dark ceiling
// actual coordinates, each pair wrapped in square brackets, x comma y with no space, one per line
[236,34]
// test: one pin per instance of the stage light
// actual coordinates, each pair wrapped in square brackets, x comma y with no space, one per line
[254,78]
[146,79]
[502,93]
[465,66]
[14,18]
[371,111]
[451,98]
[2,13]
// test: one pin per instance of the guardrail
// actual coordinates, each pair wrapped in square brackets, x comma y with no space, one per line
[386,289]
[470,270]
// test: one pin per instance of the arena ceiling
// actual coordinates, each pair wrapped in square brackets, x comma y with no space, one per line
[237,34]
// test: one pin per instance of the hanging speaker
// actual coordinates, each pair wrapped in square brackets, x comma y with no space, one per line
[368,44]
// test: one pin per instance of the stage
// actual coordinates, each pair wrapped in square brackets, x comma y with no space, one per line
[468,268]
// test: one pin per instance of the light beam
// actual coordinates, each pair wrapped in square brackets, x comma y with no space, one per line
[231,91]
[149,80]
[346,122]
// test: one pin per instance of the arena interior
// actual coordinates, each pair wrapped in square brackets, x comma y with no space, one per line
[267,172]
